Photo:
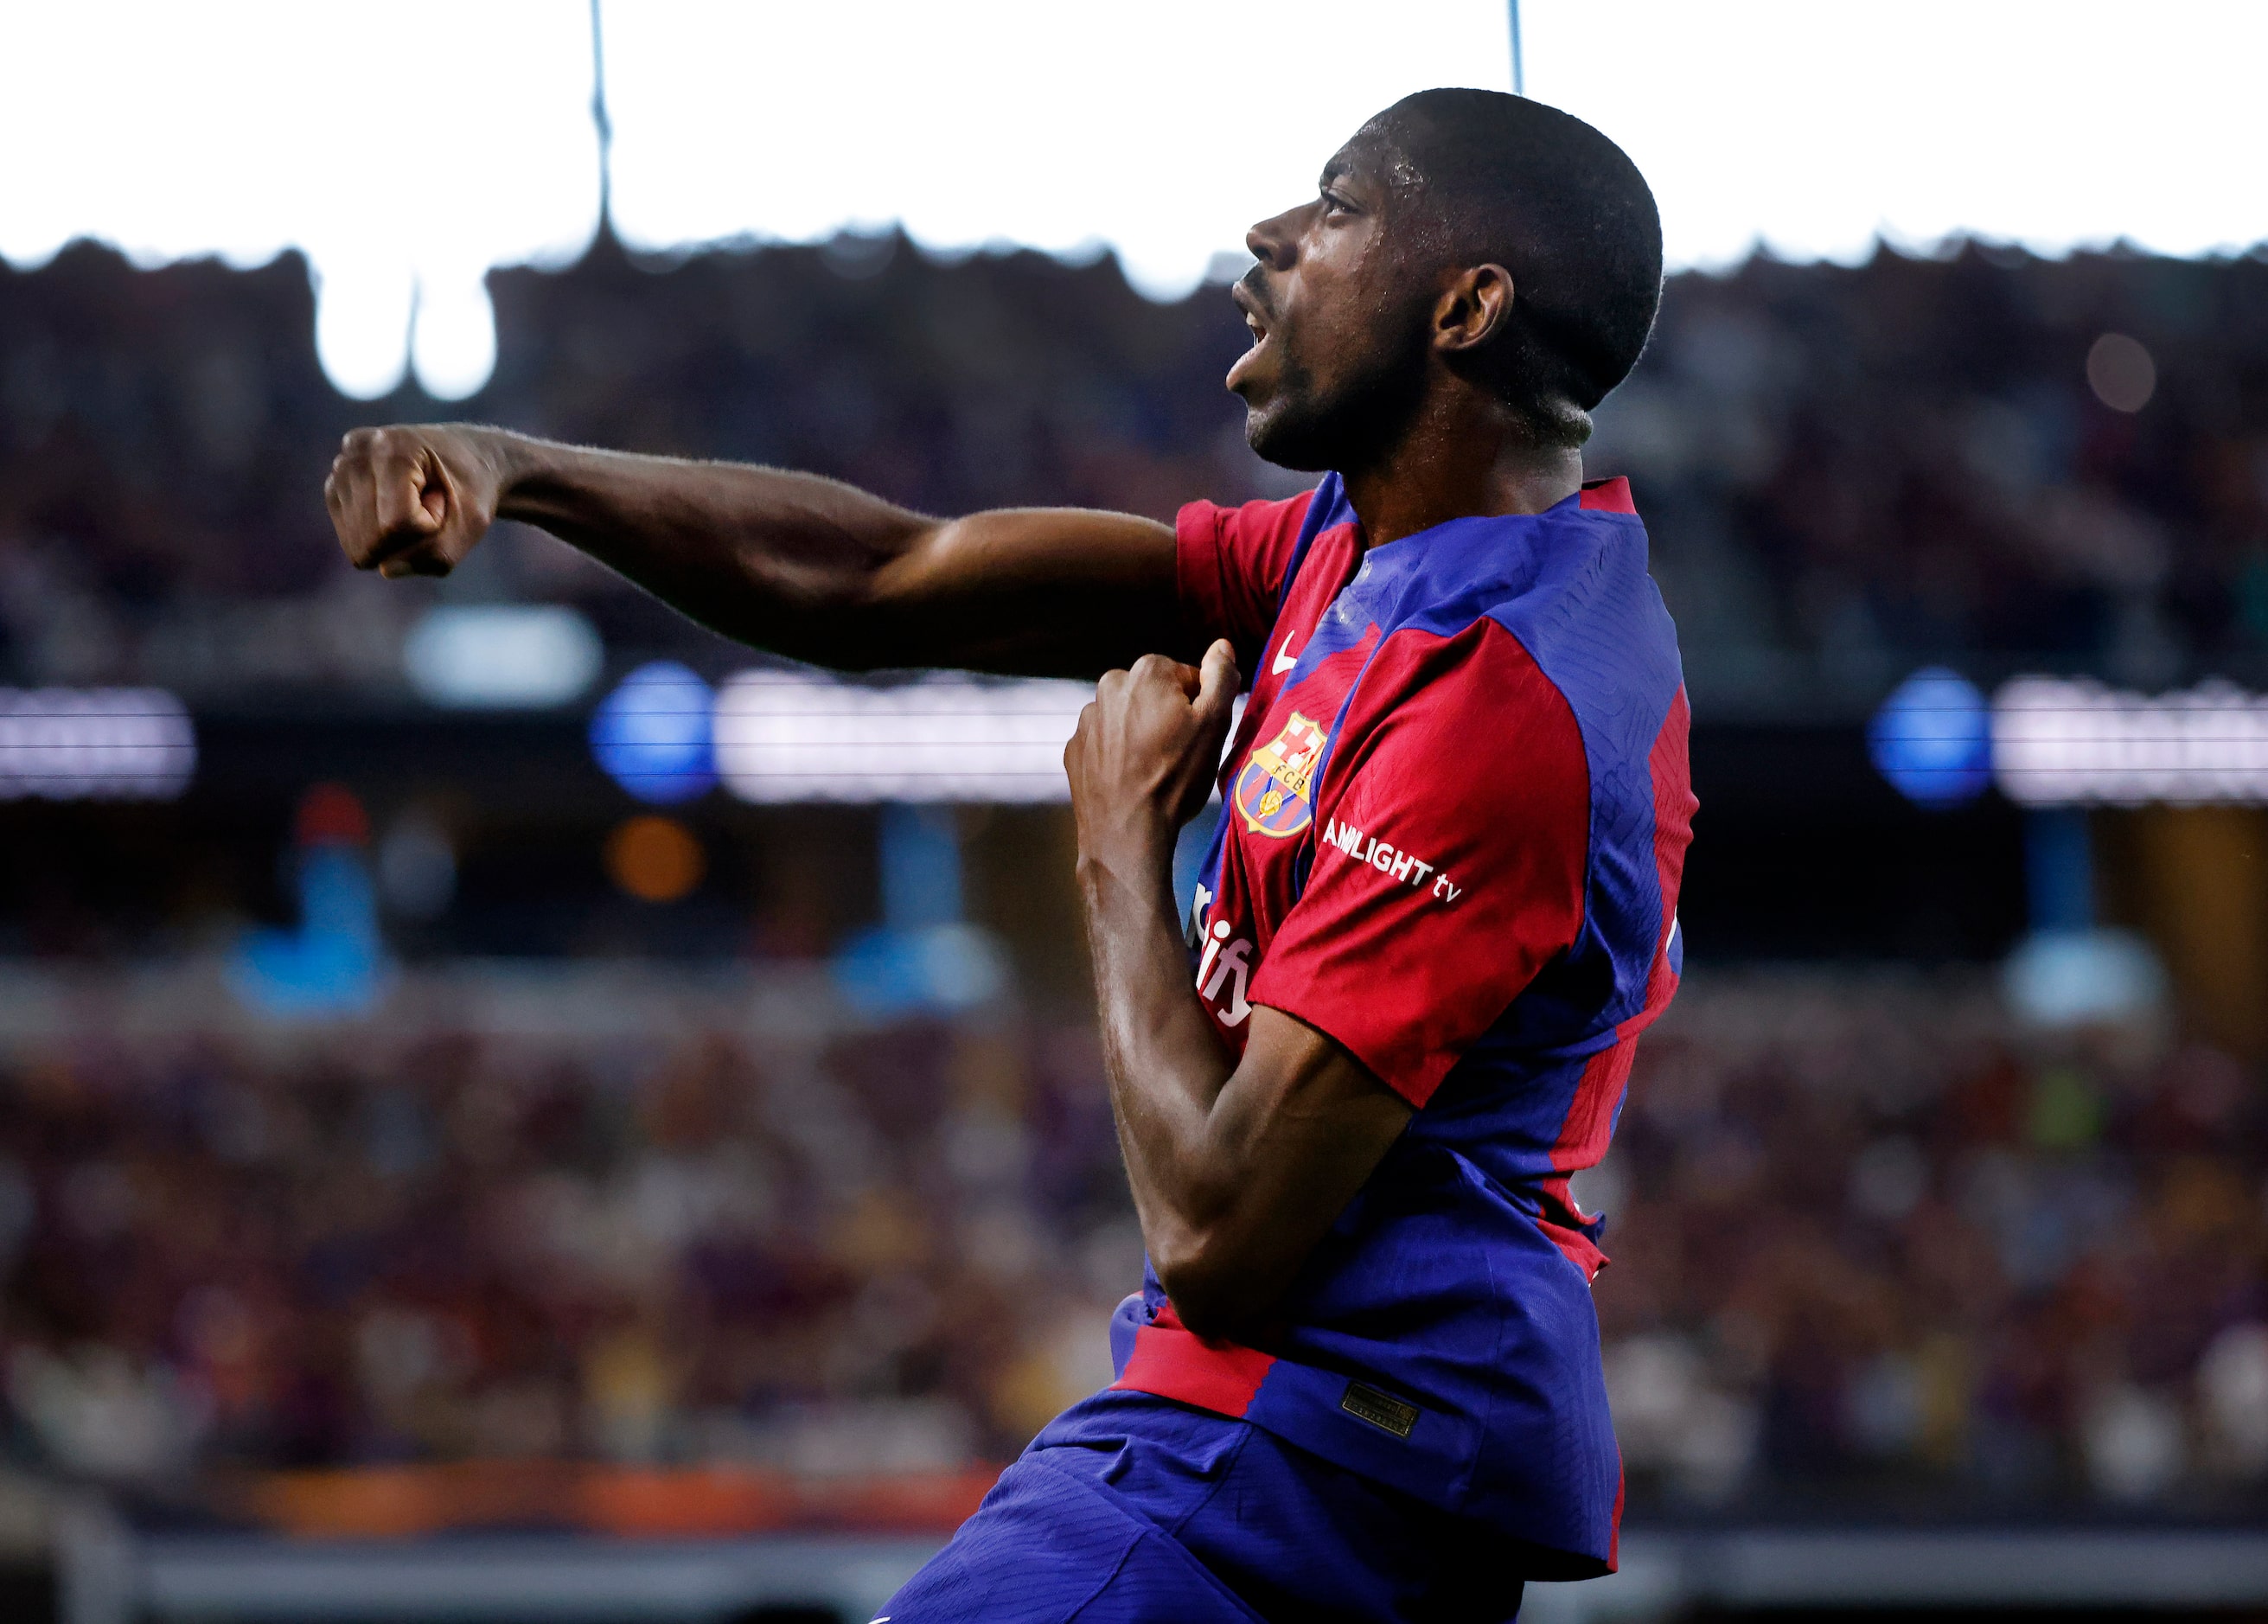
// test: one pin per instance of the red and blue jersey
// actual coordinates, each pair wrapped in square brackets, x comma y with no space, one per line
[1455,812]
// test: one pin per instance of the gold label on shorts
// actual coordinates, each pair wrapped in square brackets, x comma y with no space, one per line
[1368,1404]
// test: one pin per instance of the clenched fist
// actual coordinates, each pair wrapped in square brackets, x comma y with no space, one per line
[1142,761]
[414,500]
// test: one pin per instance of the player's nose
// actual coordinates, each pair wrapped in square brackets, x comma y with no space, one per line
[1274,242]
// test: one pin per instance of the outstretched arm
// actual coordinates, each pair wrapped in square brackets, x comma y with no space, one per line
[802,566]
[1237,1170]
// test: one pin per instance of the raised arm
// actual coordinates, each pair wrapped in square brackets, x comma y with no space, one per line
[802,566]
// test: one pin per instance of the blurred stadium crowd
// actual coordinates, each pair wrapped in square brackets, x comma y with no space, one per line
[1872,1245]
[884,1249]
[1872,1239]
[1848,471]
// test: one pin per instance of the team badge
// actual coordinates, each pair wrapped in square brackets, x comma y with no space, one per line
[1273,792]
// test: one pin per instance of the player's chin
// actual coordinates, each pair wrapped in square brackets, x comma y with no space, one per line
[1279,432]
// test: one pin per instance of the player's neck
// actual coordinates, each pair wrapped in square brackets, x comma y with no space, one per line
[1461,459]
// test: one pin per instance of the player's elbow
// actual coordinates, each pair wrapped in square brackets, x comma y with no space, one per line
[834,622]
[863,608]
[1214,1290]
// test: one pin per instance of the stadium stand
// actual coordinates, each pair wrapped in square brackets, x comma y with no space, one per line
[1848,471]
[1875,1245]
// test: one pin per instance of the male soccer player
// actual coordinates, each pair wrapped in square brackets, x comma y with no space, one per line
[1362,1378]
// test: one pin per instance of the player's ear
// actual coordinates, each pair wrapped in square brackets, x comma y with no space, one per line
[1475,304]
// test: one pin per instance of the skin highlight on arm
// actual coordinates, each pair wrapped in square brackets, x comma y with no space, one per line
[797,564]
[1237,1170]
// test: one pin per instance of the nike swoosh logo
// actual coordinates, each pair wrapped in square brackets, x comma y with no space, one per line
[1285,659]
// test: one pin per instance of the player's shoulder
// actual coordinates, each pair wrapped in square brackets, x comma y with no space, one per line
[1591,616]
[1546,625]
[1263,522]
[1474,698]
[1570,582]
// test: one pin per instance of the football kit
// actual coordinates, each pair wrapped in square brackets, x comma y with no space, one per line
[1455,814]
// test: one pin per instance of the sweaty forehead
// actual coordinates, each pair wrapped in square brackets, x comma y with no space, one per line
[1376,154]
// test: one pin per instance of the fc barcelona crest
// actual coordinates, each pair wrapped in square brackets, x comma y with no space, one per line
[1273,792]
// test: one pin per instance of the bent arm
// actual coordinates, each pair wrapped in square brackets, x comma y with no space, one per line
[1237,1171]
[818,569]
[804,566]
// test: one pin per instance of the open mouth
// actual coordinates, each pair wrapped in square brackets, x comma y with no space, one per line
[1255,321]
[1255,316]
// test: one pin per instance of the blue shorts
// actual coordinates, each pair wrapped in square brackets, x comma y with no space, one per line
[1135,1510]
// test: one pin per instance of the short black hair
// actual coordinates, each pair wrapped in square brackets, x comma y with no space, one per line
[1506,180]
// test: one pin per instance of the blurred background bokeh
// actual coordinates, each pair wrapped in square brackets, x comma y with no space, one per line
[488,1056]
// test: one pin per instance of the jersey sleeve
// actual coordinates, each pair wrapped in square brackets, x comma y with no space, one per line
[1451,865]
[1229,565]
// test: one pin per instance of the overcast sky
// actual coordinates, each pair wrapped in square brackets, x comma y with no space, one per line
[407,148]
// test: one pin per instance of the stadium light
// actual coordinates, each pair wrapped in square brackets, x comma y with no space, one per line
[95,744]
[2058,742]
[791,735]
[651,734]
[1932,739]
[502,656]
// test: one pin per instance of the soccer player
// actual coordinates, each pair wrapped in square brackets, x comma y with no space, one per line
[1362,1378]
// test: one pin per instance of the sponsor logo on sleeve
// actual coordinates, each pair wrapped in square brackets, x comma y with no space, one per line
[1406,866]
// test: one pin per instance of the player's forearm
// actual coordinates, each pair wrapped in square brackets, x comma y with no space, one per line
[1237,1172]
[802,566]
[1167,1071]
[777,559]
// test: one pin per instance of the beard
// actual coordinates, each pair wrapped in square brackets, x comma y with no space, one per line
[1311,423]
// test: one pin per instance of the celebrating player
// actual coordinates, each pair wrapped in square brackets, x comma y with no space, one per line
[1362,1378]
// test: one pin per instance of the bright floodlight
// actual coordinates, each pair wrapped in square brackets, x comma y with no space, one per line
[1932,739]
[651,734]
[95,744]
[2063,743]
[502,656]
[789,735]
